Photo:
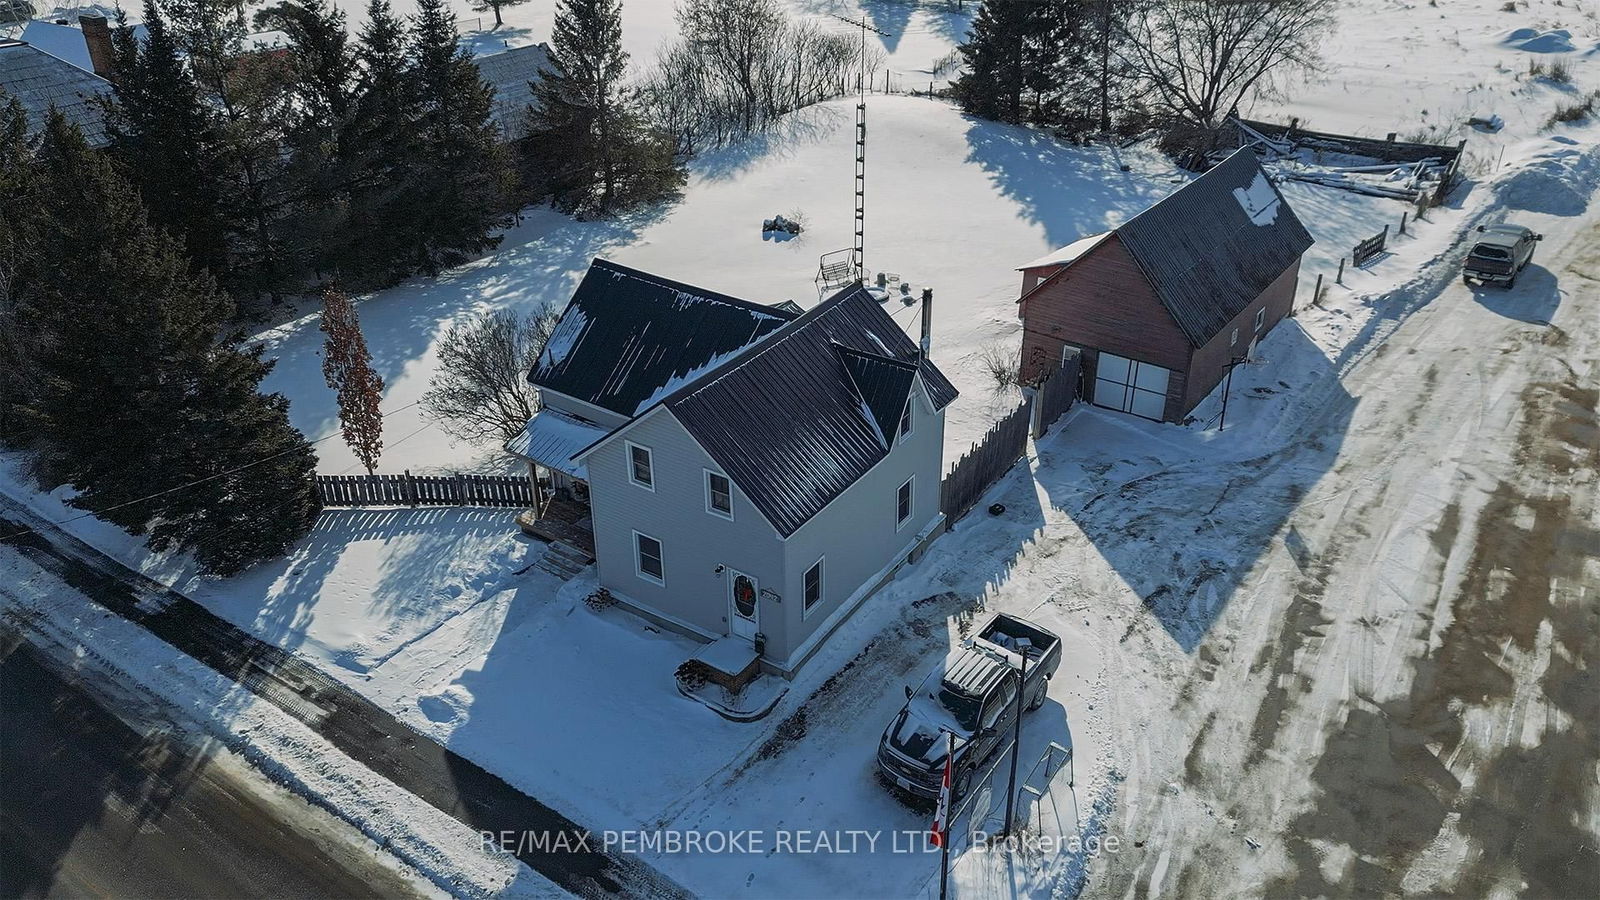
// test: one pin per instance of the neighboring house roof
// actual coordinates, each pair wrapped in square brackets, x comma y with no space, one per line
[1209,248]
[64,42]
[510,73]
[552,437]
[41,81]
[628,338]
[800,417]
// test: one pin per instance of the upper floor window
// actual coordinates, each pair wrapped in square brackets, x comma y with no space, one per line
[905,419]
[641,470]
[813,585]
[1234,340]
[719,495]
[1261,317]
[902,503]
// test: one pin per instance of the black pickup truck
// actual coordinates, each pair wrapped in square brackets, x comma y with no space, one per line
[1499,253]
[971,694]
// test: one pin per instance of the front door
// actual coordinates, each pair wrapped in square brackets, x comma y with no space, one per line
[743,616]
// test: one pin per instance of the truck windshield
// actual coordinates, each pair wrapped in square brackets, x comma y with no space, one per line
[1483,251]
[962,707]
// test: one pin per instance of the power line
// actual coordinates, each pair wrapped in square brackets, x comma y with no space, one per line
[199,481]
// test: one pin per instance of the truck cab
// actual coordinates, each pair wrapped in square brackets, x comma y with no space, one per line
[972,696]
[1499,253]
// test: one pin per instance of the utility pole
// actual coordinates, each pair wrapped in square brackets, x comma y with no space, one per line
[1016,742]
[859,248]
[1227,386]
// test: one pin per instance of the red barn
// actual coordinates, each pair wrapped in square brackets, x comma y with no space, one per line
[1160,305]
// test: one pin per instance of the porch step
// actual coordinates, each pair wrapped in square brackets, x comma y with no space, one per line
[563,560]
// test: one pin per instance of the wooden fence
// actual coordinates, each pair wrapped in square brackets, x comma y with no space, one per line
[1056,394]
[1370,247]
[424,490]
[983,465]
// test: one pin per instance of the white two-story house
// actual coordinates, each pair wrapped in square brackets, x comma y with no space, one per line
[750,473]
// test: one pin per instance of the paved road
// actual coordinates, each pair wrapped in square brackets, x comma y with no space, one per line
[353,724]
[90,807]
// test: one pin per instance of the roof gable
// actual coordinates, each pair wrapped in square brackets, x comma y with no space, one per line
[1212,246]
[884,385]
[628,338]
[790,422]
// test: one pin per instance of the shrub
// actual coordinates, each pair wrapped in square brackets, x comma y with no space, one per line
[1001,365]
[1573,112]
[693,674]
[600,600]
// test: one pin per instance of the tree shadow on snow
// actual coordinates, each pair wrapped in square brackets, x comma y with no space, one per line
[1071,192]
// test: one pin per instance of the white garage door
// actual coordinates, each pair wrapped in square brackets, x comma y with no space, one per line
[1130,386]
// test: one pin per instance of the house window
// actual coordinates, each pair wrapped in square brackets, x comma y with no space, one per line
[719,495]
[905,419]
[649,554]
[640,469]
[1261,317]
[813,586]
[1234,340]
[902,503]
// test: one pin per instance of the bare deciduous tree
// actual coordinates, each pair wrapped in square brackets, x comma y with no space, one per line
[739,66]
[1201,58]
[481,390]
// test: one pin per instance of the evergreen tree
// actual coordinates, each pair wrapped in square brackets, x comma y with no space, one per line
[382,155]
[347,366]
[587,145]
[320,87]
[146,408]
[19,250]
[1032,62]
[995,77]
[463,183]
[168,142]
[495,6]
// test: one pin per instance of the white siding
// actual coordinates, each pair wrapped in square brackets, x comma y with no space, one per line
[694,542]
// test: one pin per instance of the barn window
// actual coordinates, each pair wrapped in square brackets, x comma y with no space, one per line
[1261,317]
[1234,340]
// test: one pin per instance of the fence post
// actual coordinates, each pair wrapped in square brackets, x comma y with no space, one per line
[1339,279]
[1403,221]
[1316,292]
[1386,235]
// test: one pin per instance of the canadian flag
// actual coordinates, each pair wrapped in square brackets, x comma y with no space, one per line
[941,816]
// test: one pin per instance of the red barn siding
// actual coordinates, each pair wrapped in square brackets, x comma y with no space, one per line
[1208,366]
[1103,302]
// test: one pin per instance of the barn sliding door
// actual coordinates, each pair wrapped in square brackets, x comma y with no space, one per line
[1131,386]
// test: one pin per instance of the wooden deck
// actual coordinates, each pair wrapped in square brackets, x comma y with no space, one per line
[565,521]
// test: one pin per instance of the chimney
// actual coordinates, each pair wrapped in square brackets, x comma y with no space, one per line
[927,320]
[97,36]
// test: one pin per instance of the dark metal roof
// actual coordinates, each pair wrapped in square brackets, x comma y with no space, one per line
[790,423]
[629,338]
[884,384]
[1215,244]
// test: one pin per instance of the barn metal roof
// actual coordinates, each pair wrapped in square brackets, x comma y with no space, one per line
[629,338]
[1215,244]
[41,82]
[792,421]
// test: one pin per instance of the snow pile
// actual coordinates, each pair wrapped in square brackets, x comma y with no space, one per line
[1534,41]
[1555,181]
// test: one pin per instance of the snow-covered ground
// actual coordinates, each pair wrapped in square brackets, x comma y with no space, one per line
[1172,560]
